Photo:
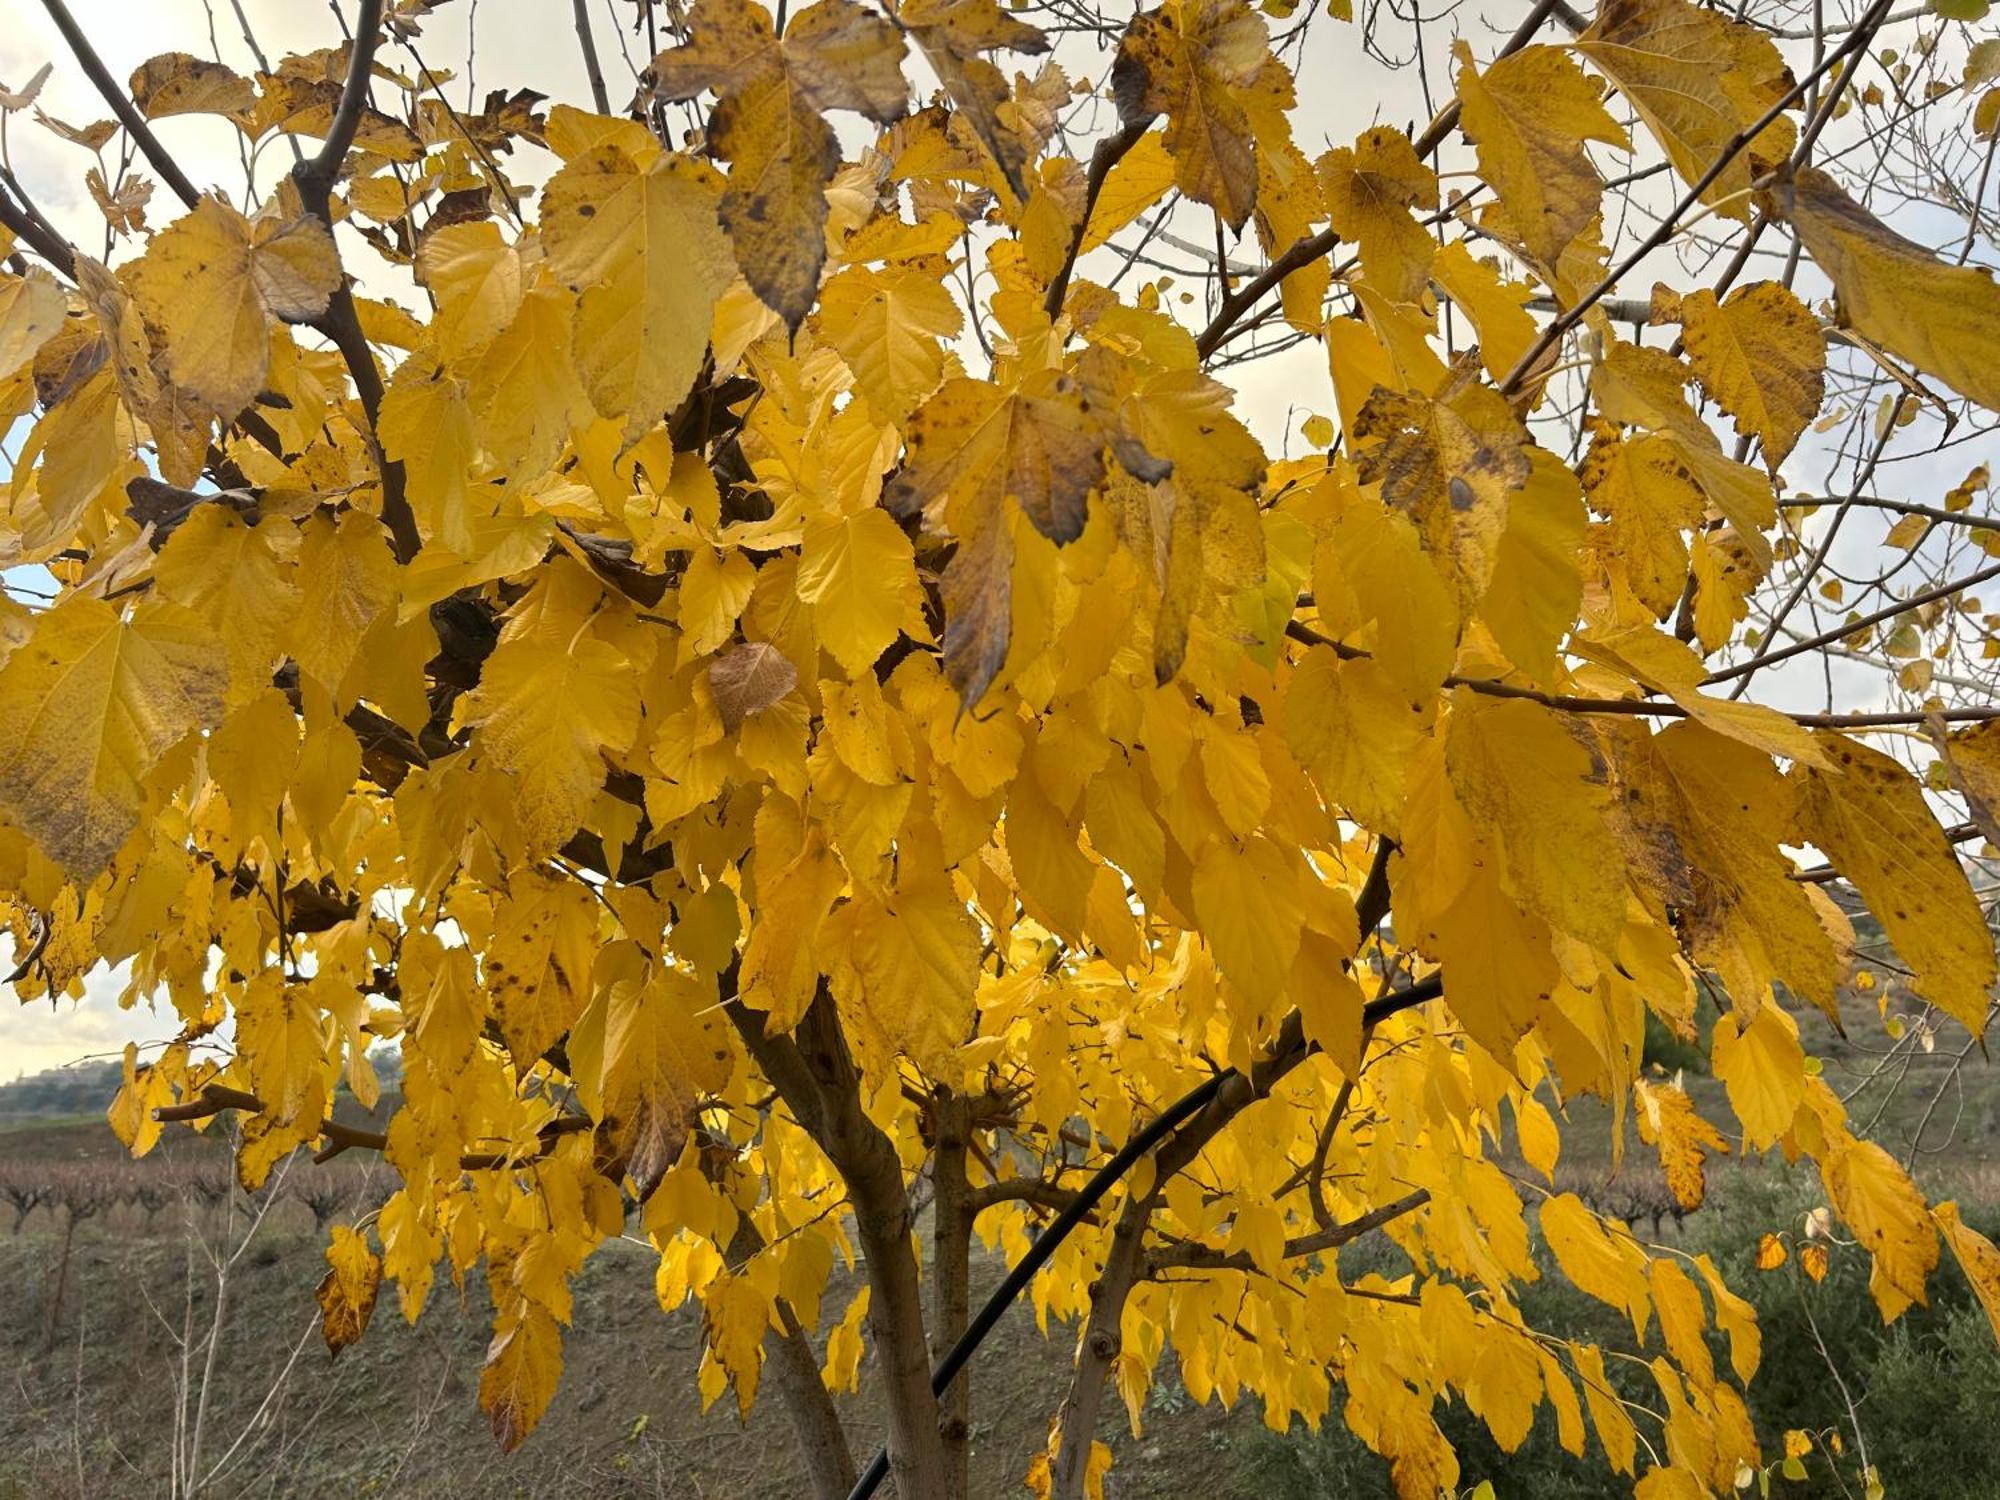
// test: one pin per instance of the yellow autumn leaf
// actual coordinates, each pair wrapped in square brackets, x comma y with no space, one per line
[552,699]
[888,326]
[1814,1261]
[1761,354]
[281,1040]
[1942,318]
[537,967]
[955,36]
[1669,1484]
[1599,1260]
[769,124]
[1683,1324]
[1607,1412]
[1528,777]
[1372,190]
[213,282]
[666,1050]
[1698,79]
[476,277]
[1668,1122]
[844,1346]
[1196,61]
[1703,801]
[239,580]
[907,968]
[1977,1258]
[346,1294]
[1877,1201]
[31,311]
[1873,821]
[1762,1066]
[640,241]
[1529,115]
[1248,898]
[859,576]
[95,701]
[523,1365]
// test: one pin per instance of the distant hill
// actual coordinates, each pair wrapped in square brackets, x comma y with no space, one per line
[84,1088]
[87,1088]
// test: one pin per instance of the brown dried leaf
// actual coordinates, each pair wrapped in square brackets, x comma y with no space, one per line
[748,678]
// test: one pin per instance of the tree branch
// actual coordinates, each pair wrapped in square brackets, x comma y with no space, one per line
[1192,1257]
[216,1098]
[1110,151]
[591,66]
[1660,709]
[316,177]
[31,227]
[1035,1190]
[121,104]
[951,1277]
[816,1076]
[1939,591]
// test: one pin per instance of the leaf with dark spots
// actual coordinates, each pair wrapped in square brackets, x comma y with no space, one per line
[768,123]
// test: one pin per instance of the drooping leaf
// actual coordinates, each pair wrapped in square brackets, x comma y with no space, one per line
[95,702]
[1761,354]
[1977,1258]
[1197,62]
[31,311]
[523,1365]
[955,35]
[1698,79]
[551,700]
[1876,1200]
[1529,115]
[769,124]
[1944,319]
[346,1294]
[641,242]
[1667,1121]
[1372,189]
[1871,818]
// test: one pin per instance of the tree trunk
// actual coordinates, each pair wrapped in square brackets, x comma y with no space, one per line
[1098,1352]
[951,1282]
[815,1073]
[794,1369]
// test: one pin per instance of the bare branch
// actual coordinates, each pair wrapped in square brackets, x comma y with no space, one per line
[121,104]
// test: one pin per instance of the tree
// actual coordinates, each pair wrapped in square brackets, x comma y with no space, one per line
[787,679]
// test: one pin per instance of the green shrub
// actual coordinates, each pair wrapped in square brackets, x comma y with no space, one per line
[1927,1388]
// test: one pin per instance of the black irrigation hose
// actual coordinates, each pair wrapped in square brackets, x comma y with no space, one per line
[1101,1182]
